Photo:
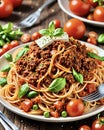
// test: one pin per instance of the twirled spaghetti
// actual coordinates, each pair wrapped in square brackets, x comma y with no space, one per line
[38,68]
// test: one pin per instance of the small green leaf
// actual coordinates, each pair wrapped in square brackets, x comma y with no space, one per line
[3,81]
[2,42]
[6,68]
[101,38]
[78,77]
[58,32]
[51,26]
[57,85]
[8,57]
[23,90]
[44,32]
[95,56]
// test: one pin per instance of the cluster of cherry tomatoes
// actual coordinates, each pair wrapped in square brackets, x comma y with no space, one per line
[7,6]
[88,8]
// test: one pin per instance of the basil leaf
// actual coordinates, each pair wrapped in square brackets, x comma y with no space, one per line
[57,85]
[101,38]
[95,56]
[44,32]
[51,26]
[58,32]
[3,81]
[21,53]
[6,68]
[77,76]
[23,90]
[8,57]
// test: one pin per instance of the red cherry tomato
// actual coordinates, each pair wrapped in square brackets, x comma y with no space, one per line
[75,107]
[14,43]
[75,28]
[16,3]
[79,7]
[57,23]
[92,40]
[25,38]
[6,8]
[35,35]
[94,4]
[84,127]
[90,16]
[98,124]
[7,47]
[98,14]
[2,51]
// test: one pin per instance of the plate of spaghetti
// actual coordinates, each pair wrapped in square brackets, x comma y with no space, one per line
[40,83]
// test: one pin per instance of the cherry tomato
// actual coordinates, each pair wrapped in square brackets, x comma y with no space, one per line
[94,4]
[75,28]
[75,107]
[99,14]
[26,105]
[84,127]
[92,40]
[90,16]
[57,23]
[58,105]
[14,43]
[35,35]
[6,8]
[25,38]
[2,51]
[93,34]
[16,3]
[7,47]
[79,7]
[98,124]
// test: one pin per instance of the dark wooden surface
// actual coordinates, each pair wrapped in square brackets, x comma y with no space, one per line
[50,13]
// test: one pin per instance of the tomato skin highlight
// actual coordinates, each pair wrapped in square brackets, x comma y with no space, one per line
[75,28]
[79,7]
[35,35]
[57,23]
[98,14]
[98,124]
[75,107]
[84,127]
[6,8]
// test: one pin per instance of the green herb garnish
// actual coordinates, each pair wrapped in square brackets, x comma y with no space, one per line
[95,56]
[78,77]
[57,85]
[3,81]
[51,31]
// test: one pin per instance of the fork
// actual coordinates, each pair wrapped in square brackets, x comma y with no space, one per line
[31,19]
[8,125]
[98,94]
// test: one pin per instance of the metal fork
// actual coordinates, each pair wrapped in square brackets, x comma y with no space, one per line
[8,125]
[98,94]
[31,19]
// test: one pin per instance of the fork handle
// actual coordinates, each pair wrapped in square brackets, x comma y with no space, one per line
[3,117]
[45,4]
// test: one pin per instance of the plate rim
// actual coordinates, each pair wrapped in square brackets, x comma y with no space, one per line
[17,111]
[100,24]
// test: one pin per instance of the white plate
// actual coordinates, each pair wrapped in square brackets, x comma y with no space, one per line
[95,111]
[64,5]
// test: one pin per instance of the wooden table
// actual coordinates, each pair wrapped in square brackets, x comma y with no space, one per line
[50,13]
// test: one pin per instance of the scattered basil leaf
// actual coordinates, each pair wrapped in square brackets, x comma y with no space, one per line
[78,77]
[3,81]
[100,2]
[95,56]
[8,57]
[58,32]
[51,31]
[51,26]
[44,32]
[2,42]
[21,53]
[23,90]
[6,68]
[57,85]
[101,38]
